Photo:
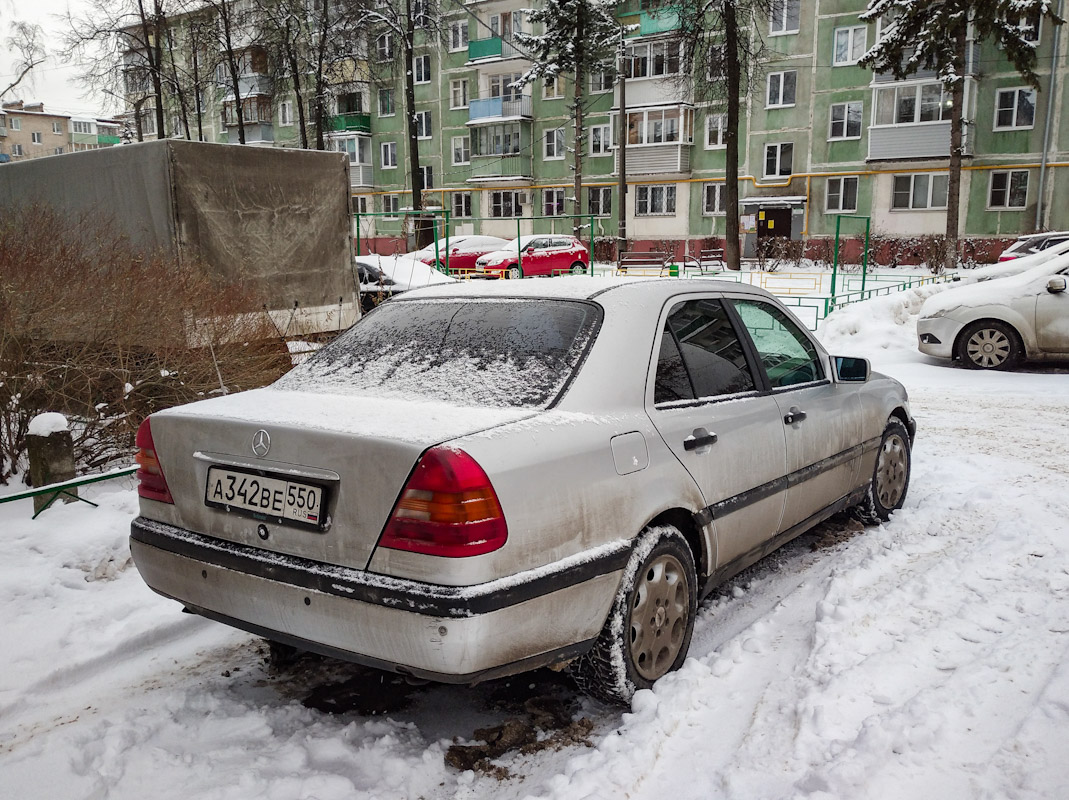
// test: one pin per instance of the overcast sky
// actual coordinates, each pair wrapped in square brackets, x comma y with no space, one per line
[53,82]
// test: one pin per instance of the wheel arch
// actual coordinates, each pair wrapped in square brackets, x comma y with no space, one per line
[684,520]
[900,414]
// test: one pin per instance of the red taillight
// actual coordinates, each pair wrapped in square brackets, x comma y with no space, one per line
[448,508]
[150,480]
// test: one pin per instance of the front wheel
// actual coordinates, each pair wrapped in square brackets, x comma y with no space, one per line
[512,273]
[989,344]
[649,628]
[578,268]
[890,477]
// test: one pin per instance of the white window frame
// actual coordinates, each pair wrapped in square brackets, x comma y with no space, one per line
[553,88]
[497,203]
[393,108]
[1016,109]
[602,80]
[1027,23]
[58,151]
[388,155]
[423,125]
[460,85]
[16,150]
[285,114]
[361,204]
[646,53]
[780,80]
[917,89]
[461,201]
[601,192]
[384,47]
[15,124]
[648,196]
[854,34]
[604,139]
[845,135]
[717,195]
[36,137]
[553,202]
[779,17]
[554,145]
[394,201]
[778,173]
[841,181]
[719,124]
[465,149]
[1008,174]
[426,175]
[913,176]
[458,35]
[58,129]
[421,69]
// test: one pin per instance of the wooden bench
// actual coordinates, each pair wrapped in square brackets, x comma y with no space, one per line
[643,262]
[708,262]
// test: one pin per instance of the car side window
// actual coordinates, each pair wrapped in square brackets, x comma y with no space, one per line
[786,353]
[700,345]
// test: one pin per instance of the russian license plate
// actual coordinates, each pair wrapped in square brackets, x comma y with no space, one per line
[264,497]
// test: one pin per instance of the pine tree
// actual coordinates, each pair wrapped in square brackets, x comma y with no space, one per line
[935,35]
[579,37]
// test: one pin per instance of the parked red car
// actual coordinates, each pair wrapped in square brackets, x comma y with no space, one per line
[537,254]
[463,251]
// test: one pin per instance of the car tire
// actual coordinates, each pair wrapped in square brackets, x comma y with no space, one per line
[890,476]
[512,273]
[578,268]
[659,584]
[989,344]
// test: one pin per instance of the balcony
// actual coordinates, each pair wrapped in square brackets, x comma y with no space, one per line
[255,133]
[352,122]
[908,142]
[501,166]
[361,175]
[655,159]
[488,49]
[653,16]
[102,139]
[496,109]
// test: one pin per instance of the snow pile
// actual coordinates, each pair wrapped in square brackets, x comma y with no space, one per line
[885,323]
[46,424]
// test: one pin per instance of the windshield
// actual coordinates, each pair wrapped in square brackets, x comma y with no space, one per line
[502,353]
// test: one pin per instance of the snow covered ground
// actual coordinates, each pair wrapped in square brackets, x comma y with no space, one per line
[928,658]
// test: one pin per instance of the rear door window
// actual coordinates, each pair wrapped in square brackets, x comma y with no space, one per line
[786,353]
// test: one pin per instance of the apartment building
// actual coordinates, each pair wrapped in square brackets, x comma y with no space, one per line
[28,131]
[824,140]
[90,133]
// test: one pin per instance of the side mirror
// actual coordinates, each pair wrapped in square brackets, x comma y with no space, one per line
[529,251]
[851,370]
[1056,285]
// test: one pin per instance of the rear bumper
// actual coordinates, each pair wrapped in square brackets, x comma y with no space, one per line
[445,633]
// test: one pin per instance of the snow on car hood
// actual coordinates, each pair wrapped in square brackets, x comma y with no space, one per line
[420,422]
[407,272]
[999,291]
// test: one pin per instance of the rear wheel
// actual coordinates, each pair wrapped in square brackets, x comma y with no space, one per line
[649,628]
[890,477]
[989,344]
[578,268]
[512,273]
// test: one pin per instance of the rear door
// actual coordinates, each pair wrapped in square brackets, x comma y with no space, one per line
[708,404]
[820,419]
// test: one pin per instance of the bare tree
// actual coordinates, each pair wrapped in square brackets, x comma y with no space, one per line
[26,46]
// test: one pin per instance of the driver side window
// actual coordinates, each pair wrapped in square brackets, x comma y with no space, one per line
[787,354]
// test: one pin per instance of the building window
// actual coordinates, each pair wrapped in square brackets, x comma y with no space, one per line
[784,16]
[506,204]
[57,128]
[458,35]
[715,128]
[391,205]
[600,200]
[655,201]
[602,79]
[849,45]
[782,87]
[779,159]
[496,140]
[906,105]
[285,113]
[458,94]
[421,69]
[600,140]
[1009,189]
[554,144]
[384,47]
[16,125]
[919,191]
[386,103]
[16,149]
[389,155]
[712,199]
[361,204]
[506,86]
[423,124]
[842,195]
[358,149]
[426,177]
[461,204]
[461,150]
[553,88]
[552,202]
[58,151]
[1030,27]
[652,59]
[660,126]
[35,137]
[1015,109]
[79,127]
[845,121]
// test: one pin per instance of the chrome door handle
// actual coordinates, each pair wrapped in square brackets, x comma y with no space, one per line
[698,439]
[794,415]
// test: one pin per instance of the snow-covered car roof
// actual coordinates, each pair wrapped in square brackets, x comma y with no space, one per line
[462,243]
[998,291]
[405,272]
[1015,267]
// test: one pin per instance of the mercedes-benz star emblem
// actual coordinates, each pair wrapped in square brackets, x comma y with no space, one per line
[261,443]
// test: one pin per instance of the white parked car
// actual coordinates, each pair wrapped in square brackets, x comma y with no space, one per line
[1014,266]
[381,277]
[997,324]
[1033,243]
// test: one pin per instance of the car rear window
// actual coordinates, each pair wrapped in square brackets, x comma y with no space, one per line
[493,352]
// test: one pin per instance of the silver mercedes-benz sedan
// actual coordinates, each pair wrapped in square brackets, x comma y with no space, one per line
[483,478]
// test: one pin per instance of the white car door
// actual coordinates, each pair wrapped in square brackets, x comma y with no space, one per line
[1052,317]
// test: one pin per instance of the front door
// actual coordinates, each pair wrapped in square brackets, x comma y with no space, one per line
[774,222]
[709,407]
[1052,318]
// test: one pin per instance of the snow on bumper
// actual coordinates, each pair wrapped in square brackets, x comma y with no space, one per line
[445,633]
[936,335]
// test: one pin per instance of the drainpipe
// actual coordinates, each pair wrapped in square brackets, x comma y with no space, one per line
[1050,113]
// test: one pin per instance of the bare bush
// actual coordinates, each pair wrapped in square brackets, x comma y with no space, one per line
[94,329]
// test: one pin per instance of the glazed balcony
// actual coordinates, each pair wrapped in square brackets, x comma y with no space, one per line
[517,165]
[496,109]
[351,123]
